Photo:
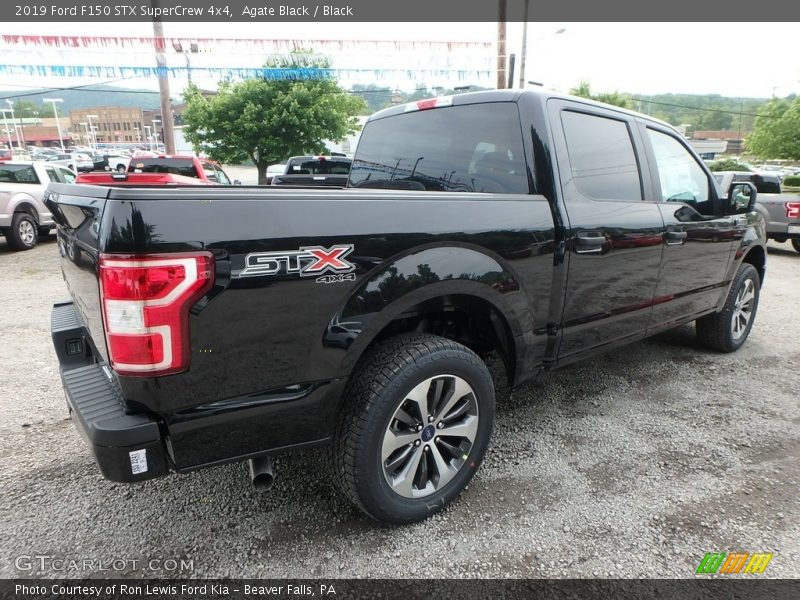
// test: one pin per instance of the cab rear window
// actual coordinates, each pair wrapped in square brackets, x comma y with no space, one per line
[470,148]
[163,165]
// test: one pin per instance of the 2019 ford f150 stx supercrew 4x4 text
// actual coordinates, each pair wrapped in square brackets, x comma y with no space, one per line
[213,324]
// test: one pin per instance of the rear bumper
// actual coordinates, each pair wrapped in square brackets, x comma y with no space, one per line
[127,447]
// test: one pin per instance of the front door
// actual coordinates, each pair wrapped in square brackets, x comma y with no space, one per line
[698,236]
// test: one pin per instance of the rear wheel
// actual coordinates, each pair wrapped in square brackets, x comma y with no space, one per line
[23,233]
[121,168]
[796,245]
[418,416]
[728,329]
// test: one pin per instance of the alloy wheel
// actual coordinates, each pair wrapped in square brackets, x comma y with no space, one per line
[743,309]
[429,436]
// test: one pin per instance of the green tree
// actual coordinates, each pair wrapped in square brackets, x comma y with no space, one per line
[727,164]
[584,90]
[776,132]
[268,121]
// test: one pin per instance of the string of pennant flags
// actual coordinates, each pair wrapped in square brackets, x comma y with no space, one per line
[269,73]
[185,43]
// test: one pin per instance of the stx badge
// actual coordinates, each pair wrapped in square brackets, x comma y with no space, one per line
[306,262]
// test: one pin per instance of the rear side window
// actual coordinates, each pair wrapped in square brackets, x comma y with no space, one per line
[471,148]
[18,174]
[601,153]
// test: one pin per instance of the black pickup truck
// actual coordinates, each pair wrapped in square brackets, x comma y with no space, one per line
[210,325]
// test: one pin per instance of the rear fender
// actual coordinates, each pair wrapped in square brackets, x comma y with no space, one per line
[405,282]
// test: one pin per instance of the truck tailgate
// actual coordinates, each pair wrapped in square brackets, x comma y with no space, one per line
[77,219]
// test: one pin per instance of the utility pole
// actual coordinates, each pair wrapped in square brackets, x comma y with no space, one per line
[524,52]
[501,45]
[163,83]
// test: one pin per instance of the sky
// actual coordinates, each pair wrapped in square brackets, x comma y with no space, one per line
[640,58]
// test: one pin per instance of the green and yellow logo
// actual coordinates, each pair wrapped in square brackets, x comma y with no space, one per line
[732,563]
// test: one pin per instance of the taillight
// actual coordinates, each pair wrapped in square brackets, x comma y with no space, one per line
[146,302]
[793,210]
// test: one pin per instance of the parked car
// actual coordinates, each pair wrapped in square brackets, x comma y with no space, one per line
[215,324]
[314,171]
[75,161]
[274,170]
[188,166]
[111,162]
[781,212]
[9,154]
[23,216]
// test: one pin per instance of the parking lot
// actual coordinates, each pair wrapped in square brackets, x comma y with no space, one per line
[633,464]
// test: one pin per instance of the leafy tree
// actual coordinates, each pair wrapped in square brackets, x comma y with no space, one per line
[776,133]
[728,164]
[584,90]
[269,120]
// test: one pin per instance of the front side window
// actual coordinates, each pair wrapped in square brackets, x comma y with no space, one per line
[469,148]
[601,155]
[682,179]
[67,175]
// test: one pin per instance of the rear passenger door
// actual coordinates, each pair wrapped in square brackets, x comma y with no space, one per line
[698,238]
[614,236]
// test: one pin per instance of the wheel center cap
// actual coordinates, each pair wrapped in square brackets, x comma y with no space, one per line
[428,433]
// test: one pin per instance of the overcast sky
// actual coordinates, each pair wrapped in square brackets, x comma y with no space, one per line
[732,59]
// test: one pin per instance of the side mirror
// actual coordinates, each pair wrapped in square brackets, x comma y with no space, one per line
[237,182]
[741,197]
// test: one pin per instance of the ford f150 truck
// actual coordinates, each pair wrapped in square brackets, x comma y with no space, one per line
[781,212]
[213,324]
[23,215]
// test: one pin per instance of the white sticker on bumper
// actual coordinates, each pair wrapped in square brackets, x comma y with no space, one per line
[138,461]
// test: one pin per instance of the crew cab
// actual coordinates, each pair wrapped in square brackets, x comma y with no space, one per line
[210,324]
[314,171]
[23,215]
[781,211]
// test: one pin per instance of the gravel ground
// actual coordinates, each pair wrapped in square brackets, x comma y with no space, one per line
[633,464]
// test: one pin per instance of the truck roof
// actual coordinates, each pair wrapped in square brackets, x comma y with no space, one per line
[511,95]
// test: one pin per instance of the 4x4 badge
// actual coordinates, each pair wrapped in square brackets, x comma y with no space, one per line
[306,262]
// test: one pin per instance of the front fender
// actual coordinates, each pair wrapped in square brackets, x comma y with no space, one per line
[406,281]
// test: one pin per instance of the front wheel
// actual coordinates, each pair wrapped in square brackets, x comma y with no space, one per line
[728,329]
[417,420]
[796,245]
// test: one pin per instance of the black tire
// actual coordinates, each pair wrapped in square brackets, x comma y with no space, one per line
[718,331]
[381,385]
[23,233]
[121,168]
[796,245]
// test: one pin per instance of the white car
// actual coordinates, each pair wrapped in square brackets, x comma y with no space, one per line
[273,170]
[76,161]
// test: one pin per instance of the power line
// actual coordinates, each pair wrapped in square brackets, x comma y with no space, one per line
[718,110]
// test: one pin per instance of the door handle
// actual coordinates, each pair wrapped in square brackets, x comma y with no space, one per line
[589,242]
[676,238]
